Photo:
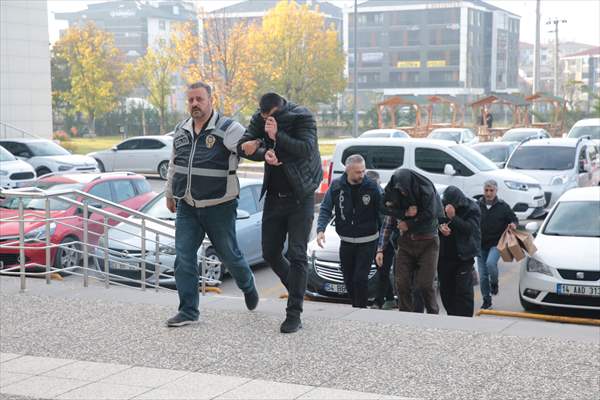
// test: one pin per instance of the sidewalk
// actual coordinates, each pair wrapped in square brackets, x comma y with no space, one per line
[375,353]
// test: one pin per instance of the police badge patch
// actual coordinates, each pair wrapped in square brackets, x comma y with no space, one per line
[210,141]
[366,199]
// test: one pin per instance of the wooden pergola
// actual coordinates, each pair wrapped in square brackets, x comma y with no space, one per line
[518,106]
[420,105]
[559,105]
[455,105]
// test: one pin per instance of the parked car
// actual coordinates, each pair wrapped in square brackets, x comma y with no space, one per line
[443,162]
[384,133]
[564,271]
[497,152]
[586,127]
[520,134]
[558,164]
[14,173]
[325,277]
[457,135]
[45,156]
[141,154]
[124,241]
[128,189]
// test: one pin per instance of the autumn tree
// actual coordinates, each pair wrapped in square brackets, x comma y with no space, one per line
[219,57]
[296,55]
[95,71]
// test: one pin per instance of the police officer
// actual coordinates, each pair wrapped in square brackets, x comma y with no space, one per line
[202,187]
[356,200]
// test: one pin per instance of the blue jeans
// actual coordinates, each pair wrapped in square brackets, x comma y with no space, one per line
[487,265]
[191,224]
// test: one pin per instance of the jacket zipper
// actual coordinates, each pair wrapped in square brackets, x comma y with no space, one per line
[189,181]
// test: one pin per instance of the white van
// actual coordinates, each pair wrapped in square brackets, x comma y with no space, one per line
[445,163]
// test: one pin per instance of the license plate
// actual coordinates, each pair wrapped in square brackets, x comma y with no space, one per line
[335,288]
[541,202]
[576,290]
[21,184]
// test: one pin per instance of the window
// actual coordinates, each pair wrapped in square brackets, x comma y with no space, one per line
[582,160]
[101,190]
[123,190]
[141,186]
[246,201]
[535,157]
[370,19]
[133,144]
[441,36]
[443,16]
[405,17]
[17,149]
[369,39]
[162,24]
[375,157]
[371,59]
[575,218]
[434,161]
[45,148]
[151,144]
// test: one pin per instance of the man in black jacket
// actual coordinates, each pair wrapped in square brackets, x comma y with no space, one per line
[496,216]
[459,245]
[284,135]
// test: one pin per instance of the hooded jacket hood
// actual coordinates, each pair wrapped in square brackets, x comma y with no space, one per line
[404,189]
[453,195]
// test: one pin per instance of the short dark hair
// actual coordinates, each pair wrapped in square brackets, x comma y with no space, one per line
[373,175]
[268,101]
[201,85]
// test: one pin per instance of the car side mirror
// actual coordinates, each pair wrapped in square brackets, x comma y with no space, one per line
[242,214]
[114,148]
[449,170]
[532,227]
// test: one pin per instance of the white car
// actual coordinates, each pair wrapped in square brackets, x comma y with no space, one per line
[564,272]
[384,133]
[497,152]
[14,173]
[586,127]
[141,154]
[558,164]
[446,163]
[521,134]
[45,156]
[457,135]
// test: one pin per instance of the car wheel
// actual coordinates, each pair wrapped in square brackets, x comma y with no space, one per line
[42,171]
[100,165]
[68,254]
[163,169]
[527,306]
[215,268]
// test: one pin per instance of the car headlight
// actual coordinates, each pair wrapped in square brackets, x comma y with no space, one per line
[559,180]
[516,185]
[40,233]
[65,167]
[3,173]
[534,265]
[168,250]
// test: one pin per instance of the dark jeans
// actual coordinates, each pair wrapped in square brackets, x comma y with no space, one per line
[416,263]
[456,286]
[292,219]
[218,222]
[356,260]
[385,291]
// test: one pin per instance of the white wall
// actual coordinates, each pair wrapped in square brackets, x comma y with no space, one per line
[25,90]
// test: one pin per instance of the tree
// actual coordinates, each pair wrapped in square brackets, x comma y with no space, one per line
[220,58]
[154,72]
[294,54]
[95,68]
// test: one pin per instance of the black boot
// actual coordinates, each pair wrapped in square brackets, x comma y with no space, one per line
[251,299]
[291,325]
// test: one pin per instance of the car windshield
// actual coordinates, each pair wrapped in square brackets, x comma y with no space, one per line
[537,158]
[519,135]
[5,155]
[479,161]
[495,153]
[47,148]
[591,130]
[575,218]
[376,134]
[39,204]
[445,135]
[157,208]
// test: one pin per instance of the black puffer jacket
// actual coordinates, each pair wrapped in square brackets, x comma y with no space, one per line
[297,147]
[466,223]
[494,221]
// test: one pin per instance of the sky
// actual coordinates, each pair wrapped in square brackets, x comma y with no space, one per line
[583,16]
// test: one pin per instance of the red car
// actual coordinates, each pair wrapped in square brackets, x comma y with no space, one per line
[128,189]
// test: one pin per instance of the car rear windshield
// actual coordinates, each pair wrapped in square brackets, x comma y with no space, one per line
[39,203]
[547,158]
[519,136]
[575,218]
[445,135]
[495,153]
[47,148]
[591,130]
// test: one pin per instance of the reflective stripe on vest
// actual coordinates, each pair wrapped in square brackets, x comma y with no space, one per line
[363,239]
[215,173]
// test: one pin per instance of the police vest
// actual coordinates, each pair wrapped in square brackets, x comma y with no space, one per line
[204,166]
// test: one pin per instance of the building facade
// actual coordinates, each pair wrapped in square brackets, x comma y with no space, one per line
[583,67]
[461,48]
[25,82]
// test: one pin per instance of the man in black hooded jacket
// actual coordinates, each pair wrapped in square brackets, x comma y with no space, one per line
[284,135]
[459,245]
[412,204]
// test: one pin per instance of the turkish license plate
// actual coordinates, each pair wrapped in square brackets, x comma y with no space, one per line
[21,184]
[335,288]
[576,290]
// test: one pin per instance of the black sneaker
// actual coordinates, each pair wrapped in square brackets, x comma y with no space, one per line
[487,304]
[494,289]
[180,320]
[251,299]
[290,325]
